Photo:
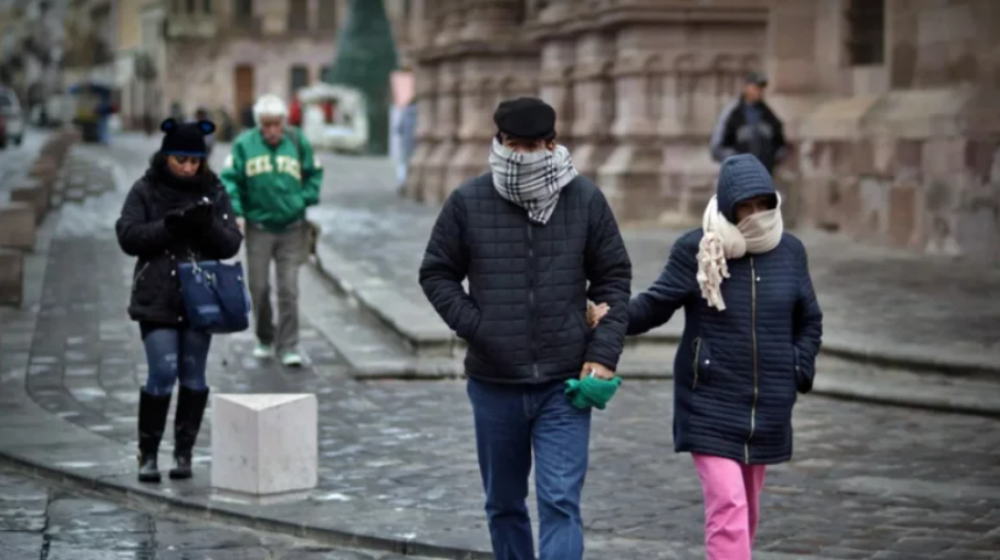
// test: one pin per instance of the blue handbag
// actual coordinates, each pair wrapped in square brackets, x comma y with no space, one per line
[215,296]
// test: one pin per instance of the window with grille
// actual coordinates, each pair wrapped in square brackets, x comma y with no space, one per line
[866,32]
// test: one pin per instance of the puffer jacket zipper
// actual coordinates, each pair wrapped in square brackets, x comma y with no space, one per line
[697,352]
[531,301]
[753,337]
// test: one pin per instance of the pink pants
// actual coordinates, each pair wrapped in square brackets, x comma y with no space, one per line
[732,506]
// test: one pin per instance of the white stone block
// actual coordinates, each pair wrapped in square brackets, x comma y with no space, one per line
[264,444]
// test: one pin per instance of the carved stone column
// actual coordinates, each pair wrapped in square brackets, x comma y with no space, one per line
[450,17]
[491,19]
[555,83]
[445,123]
[631,175]
[493,57]
[476,127]
[677,64]
[427,137]
[593,102]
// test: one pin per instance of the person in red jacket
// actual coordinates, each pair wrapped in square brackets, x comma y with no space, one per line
[295,113]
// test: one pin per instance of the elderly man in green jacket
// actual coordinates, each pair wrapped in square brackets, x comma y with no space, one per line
[272,176]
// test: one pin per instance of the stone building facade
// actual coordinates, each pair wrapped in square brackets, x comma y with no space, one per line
[891,105]
[223,55]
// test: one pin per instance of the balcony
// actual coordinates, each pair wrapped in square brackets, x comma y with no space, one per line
[183,26]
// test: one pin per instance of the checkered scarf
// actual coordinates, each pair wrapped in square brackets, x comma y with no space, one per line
[532,180]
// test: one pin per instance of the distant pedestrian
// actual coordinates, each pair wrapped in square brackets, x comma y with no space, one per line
[752,331]
[749,126]
[201,114]
[407,139]
[273,176]
[534,239]
[178,211]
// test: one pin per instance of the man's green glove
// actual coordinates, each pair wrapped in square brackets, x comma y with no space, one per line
[591,391]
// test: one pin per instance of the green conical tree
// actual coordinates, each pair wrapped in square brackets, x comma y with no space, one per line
[366,55]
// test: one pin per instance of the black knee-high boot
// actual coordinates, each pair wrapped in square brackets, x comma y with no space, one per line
[187,421]
[152,420]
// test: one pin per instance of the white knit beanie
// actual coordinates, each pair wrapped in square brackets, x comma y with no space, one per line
[269,105]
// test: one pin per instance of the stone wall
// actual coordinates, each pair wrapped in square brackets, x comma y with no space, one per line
[209,78]
[915,165]
[905,151]
[637,85]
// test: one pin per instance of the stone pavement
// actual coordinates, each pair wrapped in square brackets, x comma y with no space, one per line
[877,302]
[43,520]
[398,470]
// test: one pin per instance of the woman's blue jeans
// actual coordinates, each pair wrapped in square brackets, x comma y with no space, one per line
[176,355]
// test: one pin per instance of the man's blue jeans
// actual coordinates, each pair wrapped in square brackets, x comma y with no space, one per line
[511,420]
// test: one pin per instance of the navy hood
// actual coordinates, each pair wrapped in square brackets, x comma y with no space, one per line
[742,177]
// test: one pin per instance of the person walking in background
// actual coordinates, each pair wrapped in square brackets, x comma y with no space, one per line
[534,239]
[176,212]
[752,331]
[273,176]
[407,140]
[201,114]
[749,126]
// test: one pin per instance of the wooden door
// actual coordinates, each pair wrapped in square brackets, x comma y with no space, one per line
[243,88]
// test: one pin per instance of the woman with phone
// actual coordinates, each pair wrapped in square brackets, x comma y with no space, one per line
[177,212]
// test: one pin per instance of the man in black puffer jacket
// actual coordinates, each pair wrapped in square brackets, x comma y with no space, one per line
[535,241]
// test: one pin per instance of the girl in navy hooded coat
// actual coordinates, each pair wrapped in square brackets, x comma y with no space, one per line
[752,332]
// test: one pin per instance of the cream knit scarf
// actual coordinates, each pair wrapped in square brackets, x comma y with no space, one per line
[756,234]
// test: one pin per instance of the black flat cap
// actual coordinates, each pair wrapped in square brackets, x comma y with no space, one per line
[758,78]
[528,118]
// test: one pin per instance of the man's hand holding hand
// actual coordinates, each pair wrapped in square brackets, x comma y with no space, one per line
[599,370]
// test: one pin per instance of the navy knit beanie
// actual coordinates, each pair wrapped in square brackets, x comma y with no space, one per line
[186,139]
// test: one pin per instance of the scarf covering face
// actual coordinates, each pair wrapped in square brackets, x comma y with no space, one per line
[532,180]
[757,233]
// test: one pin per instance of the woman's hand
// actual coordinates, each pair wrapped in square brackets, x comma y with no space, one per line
[595,313]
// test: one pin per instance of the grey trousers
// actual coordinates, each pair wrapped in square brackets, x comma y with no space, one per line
[285,249]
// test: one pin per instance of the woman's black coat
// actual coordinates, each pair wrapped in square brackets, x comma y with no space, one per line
[142,233]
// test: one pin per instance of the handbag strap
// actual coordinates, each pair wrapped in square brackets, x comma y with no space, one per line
[229,313]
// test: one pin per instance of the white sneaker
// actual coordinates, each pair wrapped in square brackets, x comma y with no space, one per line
[263,351]
[291,359]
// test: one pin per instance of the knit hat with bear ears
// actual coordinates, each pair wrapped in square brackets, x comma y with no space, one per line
[186,139]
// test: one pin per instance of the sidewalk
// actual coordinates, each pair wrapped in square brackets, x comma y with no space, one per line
[884,310]
[397,458]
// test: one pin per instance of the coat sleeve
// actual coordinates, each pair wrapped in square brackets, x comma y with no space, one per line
[675,286]
[808,325]
[445,266]
[234,178]
[312,172]
[223,238]
[609,272]
[137,235]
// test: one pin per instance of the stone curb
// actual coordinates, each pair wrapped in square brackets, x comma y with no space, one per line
[868,375]
[233,515]
[382,301]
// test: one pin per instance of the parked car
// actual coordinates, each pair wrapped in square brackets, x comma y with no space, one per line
[10,108]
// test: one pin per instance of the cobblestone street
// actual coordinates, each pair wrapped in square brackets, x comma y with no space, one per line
[397,461]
